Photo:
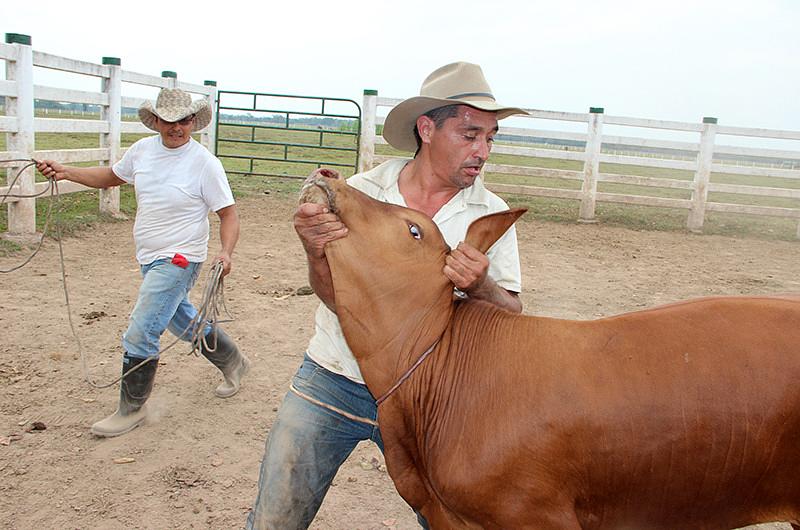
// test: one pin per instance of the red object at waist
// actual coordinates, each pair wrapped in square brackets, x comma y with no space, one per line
[180,261]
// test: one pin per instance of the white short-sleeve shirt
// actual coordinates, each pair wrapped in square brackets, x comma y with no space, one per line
[328,347]
[175,191]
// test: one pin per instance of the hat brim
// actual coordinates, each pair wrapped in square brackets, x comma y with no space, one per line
[200,108]
[398,128]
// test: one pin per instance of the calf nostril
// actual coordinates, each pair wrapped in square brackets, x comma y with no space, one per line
[330,173]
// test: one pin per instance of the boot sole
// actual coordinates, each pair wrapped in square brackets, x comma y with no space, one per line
[111,434]
[103,434]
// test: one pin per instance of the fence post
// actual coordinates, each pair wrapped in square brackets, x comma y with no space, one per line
[366,146]
[209,137]
[591,165]
[112,114]
[702,175]
[171,77]
[22,213]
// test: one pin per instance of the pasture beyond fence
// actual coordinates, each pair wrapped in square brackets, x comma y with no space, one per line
[20,124]
[589,167]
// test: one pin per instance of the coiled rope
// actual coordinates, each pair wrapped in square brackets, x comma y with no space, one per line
[52,187]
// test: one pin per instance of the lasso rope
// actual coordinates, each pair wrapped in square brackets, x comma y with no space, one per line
[207,313]
[52,187]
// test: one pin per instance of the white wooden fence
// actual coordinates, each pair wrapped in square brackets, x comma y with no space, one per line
[594,153]
[21,126]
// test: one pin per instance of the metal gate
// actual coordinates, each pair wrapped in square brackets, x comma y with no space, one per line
[281,135]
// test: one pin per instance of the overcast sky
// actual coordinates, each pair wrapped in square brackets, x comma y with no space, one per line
[738,61]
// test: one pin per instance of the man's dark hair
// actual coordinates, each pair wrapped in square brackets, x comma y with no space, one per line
[439,116]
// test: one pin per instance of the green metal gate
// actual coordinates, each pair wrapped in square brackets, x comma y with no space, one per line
[281,135]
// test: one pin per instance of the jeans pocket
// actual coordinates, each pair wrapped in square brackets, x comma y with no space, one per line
[305,375]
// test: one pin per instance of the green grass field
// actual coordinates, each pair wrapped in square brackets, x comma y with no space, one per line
[315,147]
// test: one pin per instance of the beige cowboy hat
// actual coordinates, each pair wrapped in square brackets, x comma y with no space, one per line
[173,104]
[453,84]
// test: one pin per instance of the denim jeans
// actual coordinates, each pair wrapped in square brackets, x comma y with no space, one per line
[163,303]
[306,446]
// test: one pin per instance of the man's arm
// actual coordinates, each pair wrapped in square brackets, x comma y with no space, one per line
[467,267]
[228,236]
[316,227]
[94,177]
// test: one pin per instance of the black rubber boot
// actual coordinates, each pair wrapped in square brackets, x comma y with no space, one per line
[225,355]
[134,390]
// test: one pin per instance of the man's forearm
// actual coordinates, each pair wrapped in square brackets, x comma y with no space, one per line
[229,227]
[491,292]
[94,177]
[319,276]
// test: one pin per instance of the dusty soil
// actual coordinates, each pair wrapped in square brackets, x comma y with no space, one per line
[195,463]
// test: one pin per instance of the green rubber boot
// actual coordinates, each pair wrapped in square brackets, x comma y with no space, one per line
[133,392]
[225,355]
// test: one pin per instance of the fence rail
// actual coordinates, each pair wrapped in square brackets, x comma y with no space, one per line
[20,124]
[701,159]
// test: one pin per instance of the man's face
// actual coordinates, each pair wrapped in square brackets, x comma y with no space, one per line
[175,133]
[461,146]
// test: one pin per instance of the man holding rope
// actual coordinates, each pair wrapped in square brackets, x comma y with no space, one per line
[178,182]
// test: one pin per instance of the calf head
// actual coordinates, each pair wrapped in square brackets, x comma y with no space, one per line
[391,293]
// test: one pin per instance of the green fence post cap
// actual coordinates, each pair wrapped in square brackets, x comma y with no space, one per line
[114,61]
[18,38]
[707,119]
[169,73]
[209,82]
[596,110]
[370,92]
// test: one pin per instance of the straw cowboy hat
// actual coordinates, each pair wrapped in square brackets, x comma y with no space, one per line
[173,104]
[453,84]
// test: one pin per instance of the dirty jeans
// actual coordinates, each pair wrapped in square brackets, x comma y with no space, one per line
[306,445]
[163,303]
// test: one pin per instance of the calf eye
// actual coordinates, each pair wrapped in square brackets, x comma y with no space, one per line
[416,233]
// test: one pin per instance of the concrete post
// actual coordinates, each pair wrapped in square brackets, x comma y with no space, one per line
[209,135]
[171,77]
[702,175]
[591,165]
[112,113]
[22,213]
[366,147]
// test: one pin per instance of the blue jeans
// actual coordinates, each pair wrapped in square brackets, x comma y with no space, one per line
[163,303]
[306,446]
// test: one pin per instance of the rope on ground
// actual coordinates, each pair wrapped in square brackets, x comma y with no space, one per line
[207,313]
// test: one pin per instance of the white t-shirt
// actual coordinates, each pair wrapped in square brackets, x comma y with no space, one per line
[175,191]
[328,347]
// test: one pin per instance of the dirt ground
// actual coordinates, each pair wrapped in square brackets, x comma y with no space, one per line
[195,463]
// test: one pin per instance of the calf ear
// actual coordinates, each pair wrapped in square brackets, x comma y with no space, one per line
[484,231]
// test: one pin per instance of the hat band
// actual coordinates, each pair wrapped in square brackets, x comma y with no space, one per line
[472,94]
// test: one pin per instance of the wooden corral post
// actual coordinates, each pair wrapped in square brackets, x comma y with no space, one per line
[22,213]
[367,142]
[111,113]
[209,135]
[702,175]
[591,165]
